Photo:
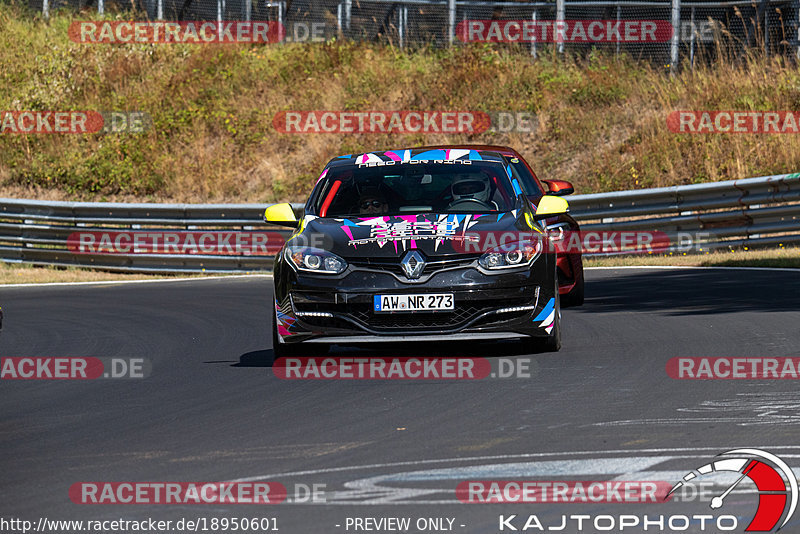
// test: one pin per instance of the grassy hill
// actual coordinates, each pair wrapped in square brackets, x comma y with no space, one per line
[601,122]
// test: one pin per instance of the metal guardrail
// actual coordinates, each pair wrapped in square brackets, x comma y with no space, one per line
[36,232]
[752,212]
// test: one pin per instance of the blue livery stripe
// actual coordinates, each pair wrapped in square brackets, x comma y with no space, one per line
[517,189]
[547,310]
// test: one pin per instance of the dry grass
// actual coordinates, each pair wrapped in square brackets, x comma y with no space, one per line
[601,121]
[28,274]
[780,257]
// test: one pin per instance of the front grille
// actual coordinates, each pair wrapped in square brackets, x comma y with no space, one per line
[363,314]
[392,265]
[417,320]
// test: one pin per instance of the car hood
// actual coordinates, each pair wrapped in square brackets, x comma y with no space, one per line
[391,236]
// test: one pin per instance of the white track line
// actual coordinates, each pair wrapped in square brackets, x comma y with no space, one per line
[785,269]
[112,282]
[414,463]
[117,282]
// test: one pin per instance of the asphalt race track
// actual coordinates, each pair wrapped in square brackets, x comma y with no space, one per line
[212,409]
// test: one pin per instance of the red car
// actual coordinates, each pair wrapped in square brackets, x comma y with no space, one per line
[570,265]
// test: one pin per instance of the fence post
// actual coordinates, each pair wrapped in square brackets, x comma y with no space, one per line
[220,10]
[451,21]
[533,42]
[796,5]
[101,7]
[401,29]
[765,10]
[619,17]
[691,39]
[405,20]
[348,8]
[676,36]
[46,9]
[560,17]
[160,10]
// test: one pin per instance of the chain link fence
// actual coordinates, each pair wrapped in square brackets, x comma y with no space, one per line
[662,31]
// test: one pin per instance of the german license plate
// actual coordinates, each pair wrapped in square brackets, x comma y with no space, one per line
[410,303]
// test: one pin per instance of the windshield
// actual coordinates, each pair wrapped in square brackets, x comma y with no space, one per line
[398,188]
[526,180]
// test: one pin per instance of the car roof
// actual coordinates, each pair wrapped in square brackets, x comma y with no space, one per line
[501,149]
[419,153]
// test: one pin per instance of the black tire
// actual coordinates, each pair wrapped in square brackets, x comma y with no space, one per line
[281,350]
[574,297]
[551,343]
[286,350]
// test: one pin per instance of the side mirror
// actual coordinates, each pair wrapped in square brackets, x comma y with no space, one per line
[550,206]
[559,187]
[281,215]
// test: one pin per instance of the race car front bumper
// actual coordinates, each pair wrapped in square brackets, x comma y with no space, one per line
[509,305]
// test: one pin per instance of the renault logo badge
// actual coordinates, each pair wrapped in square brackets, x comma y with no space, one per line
[413,264]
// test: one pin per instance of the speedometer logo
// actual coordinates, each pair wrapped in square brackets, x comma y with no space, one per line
[774,480]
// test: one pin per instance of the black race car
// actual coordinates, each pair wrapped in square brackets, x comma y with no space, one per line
[416,245]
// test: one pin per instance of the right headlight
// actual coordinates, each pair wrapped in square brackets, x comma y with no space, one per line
[512,255]
[314,260]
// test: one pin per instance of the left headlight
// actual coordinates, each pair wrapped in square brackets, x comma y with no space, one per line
[511,256]
[314,260]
